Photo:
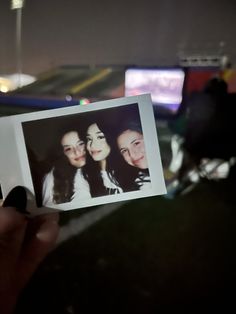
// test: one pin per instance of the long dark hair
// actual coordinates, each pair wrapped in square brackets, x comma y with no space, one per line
[63,171]
[112,122]
[63,174]
[92,168]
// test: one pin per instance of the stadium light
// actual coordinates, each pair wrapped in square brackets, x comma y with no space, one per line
[18,5]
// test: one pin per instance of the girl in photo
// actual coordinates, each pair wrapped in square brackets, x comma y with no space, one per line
[101,161]
[131,147]
[66,181]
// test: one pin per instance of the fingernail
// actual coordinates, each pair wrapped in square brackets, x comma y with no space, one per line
[48,231]
[17,198]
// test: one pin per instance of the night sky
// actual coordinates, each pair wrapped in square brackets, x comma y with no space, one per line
[155,32]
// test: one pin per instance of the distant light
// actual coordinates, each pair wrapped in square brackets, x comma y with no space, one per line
[68,97]
[12,80]
[17,4]
[84,101]
[5,85]
[4,89]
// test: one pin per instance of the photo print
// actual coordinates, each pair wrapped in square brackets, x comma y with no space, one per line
[87,155]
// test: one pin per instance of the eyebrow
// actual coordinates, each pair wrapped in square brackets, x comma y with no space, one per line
[98,132]
[136,139]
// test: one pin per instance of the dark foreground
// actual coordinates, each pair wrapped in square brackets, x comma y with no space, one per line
[150,256]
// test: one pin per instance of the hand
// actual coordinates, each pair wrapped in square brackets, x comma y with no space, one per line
[24,243]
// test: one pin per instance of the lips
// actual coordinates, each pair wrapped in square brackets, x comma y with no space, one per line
[79,158]
[137,161]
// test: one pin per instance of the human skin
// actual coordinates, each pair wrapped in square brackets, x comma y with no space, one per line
[24,243]
[132,148]
[74,149]
[97,145]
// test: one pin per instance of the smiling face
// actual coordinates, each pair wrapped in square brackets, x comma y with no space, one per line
[97,145]
[74,149]
[131,147]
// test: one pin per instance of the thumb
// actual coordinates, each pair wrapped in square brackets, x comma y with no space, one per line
[41,235]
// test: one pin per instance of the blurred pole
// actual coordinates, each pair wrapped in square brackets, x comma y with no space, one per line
[18,5]
[18,45]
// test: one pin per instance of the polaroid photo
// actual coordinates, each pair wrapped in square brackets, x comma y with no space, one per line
[82,156]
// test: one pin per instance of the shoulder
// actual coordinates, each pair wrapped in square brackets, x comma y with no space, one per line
[49,175]
[48,179]
[81,187]
[47,192]
[143,180]
[110,182]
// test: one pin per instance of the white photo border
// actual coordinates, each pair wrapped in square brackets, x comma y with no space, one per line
[150,139]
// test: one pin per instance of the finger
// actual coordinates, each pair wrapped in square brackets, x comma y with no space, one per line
[17,198]
[41,236]
[12,228]
[11,211]
[12,233]
[10,220]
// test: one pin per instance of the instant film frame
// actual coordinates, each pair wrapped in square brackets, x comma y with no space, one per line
[28,140]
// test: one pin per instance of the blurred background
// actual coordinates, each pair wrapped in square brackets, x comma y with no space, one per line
[172,252]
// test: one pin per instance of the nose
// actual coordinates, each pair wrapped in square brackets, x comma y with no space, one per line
[78,151]
[134,153]
[93,144]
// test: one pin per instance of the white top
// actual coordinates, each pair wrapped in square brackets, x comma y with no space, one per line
[143,181]
[110,183]
[81,188]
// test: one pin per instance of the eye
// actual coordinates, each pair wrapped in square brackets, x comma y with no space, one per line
[136,143]
[123,151]
[88,139]
[81,143]
[101,137]
[67,149]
